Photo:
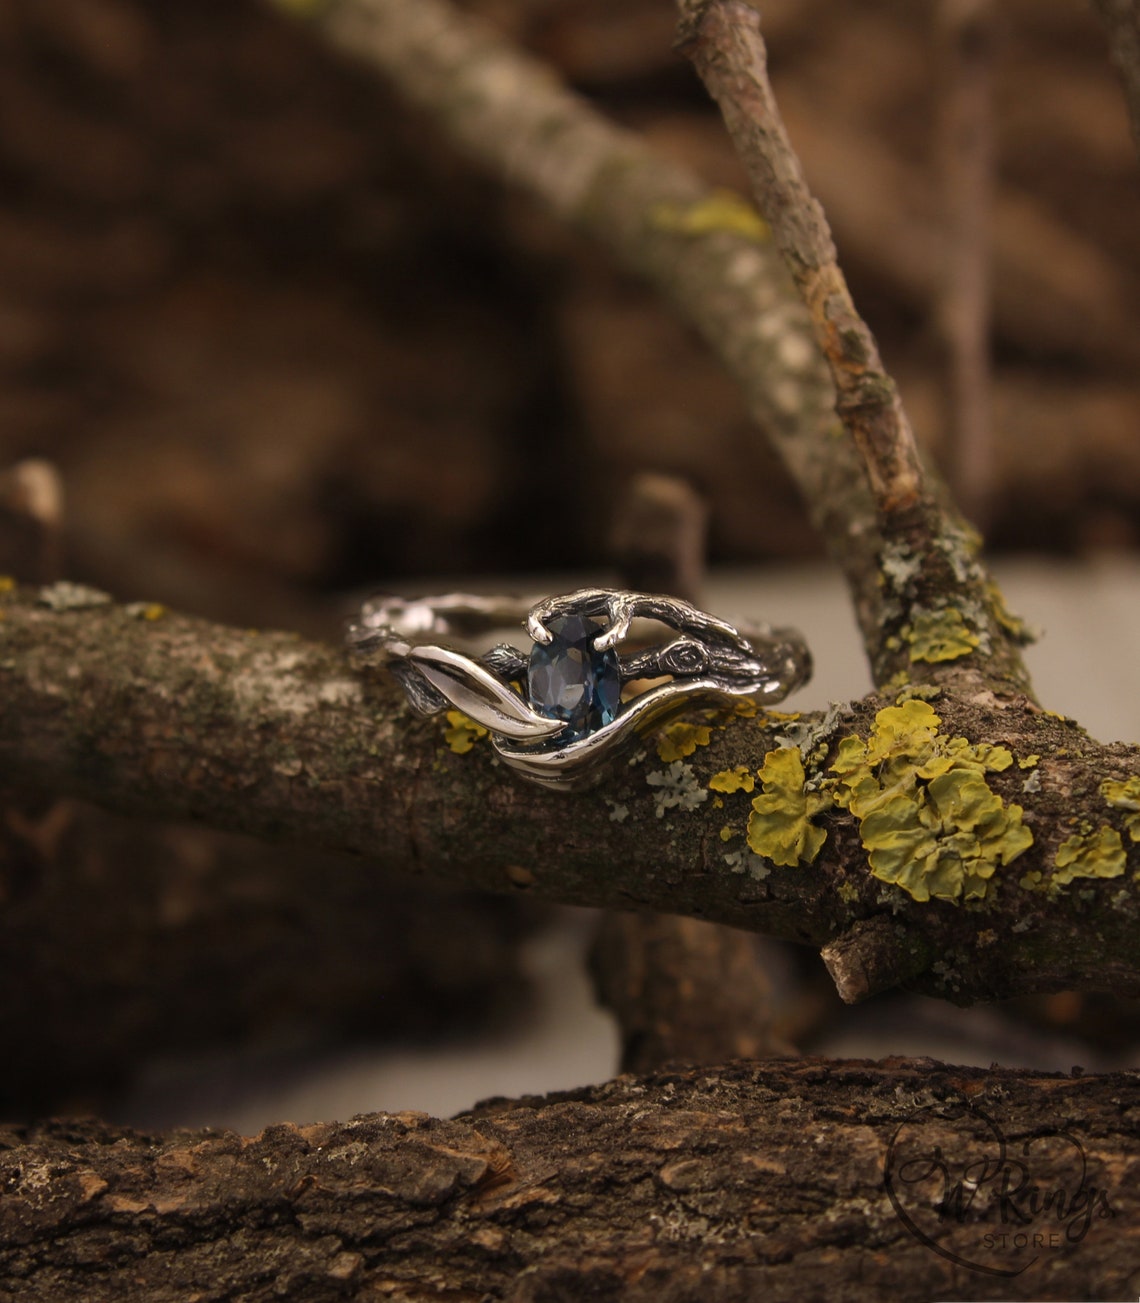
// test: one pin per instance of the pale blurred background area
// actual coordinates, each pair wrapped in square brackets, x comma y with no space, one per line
[267,340]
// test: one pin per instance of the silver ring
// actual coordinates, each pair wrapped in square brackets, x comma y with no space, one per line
[561,712]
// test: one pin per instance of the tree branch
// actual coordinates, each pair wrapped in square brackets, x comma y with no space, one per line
[725,1184]
[722,38]
[266,733]
[929,565]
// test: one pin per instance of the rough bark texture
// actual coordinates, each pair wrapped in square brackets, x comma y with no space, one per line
[272,735]
[736,1183]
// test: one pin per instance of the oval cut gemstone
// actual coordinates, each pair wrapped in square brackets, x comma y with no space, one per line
[568,680]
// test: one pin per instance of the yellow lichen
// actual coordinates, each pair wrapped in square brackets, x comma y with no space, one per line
[675,741]
[940,636]
[1029,762]
[462,733]
[733,780]
[1125,796]
[1096,854]
[927,817]
[719,210]
[727,833]
[923,691]
[848,892]
[780,826]
[1014,625]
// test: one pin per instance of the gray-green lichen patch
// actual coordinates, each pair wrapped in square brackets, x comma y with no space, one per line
[270,681]
[899,566]
[747,861]
[928,819]
[811,738]
[677,788]
[67,596]
[618,813]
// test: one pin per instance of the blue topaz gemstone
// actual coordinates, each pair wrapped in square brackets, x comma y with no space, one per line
[568,680]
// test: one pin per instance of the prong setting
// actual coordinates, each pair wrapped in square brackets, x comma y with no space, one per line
[569,722]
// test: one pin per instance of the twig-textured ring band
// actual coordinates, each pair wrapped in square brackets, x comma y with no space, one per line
[558,713]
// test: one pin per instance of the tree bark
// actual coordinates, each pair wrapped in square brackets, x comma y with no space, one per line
[268,734]
[721,1184]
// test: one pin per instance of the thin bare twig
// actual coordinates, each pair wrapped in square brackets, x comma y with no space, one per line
[929,572]
[722,39]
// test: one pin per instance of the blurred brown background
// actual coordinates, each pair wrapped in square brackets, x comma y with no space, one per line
[280,340]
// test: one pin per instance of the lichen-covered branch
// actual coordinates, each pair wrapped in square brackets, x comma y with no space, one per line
[1121,19]
[727,1184]
[932,579]
[1000,841]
